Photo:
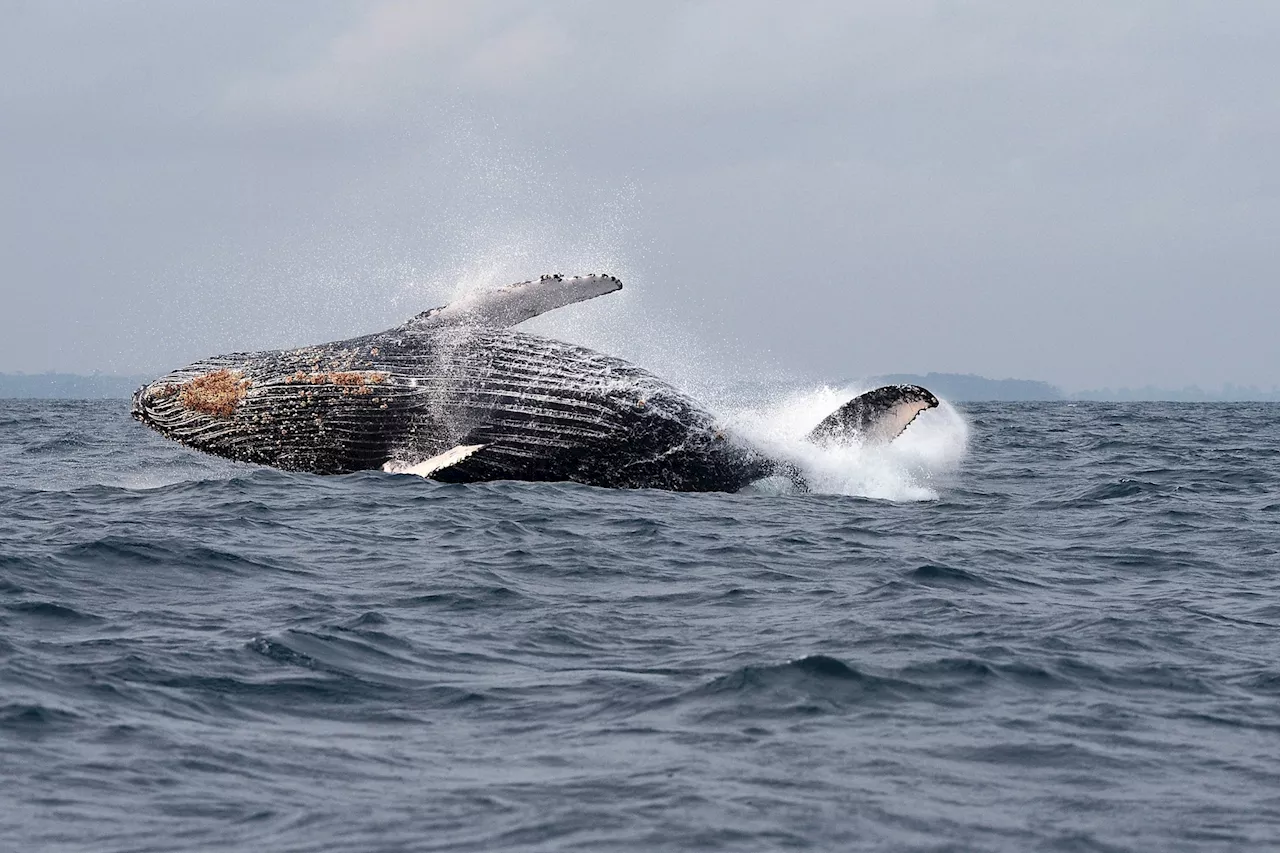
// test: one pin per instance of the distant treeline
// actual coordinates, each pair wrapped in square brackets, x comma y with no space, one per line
[966,387]
[68,386]
[959,387]
[1191,394]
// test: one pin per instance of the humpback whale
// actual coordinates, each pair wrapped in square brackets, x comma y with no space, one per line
[459,395]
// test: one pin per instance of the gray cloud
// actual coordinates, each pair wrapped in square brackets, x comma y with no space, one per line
[1083,193]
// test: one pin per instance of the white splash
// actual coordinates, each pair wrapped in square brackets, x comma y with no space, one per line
[910,468]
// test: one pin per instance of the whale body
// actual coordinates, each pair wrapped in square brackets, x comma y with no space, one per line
[458,395]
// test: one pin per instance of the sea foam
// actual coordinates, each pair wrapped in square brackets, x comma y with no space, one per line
[909,468]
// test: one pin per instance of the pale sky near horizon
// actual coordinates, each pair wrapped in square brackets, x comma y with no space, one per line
[1084,193]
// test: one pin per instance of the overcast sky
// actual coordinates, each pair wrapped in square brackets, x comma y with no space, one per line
[1086,193]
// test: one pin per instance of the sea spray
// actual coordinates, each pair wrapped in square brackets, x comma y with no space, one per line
[762,410]
[909,468]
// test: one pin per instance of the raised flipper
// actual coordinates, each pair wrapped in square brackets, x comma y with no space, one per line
[516,303]
[876,417]
[435,463]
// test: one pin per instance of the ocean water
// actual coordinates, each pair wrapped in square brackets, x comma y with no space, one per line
[1064,637]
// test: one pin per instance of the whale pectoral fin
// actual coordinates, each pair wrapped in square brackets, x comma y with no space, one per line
[436,463]
[876,417]
[516,303]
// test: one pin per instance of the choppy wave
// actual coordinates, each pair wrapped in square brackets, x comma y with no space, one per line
[1021,627]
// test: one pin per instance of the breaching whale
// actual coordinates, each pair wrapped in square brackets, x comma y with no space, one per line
[458,395]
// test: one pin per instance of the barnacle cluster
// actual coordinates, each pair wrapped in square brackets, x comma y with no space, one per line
[351,381]
[216,393]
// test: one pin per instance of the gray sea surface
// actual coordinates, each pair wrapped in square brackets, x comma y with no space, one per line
[1075,647]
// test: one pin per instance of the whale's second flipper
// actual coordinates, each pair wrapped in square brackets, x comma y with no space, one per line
[876,417]
[516,303]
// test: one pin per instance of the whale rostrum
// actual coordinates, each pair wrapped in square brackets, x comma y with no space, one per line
[458,395]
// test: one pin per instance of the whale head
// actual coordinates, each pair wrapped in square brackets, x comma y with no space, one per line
[290,413]
[200,408]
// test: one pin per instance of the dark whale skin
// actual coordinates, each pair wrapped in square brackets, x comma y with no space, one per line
[544,410]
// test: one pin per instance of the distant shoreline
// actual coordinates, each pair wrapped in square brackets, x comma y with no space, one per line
[957,387]
[968,387]
[68,386]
